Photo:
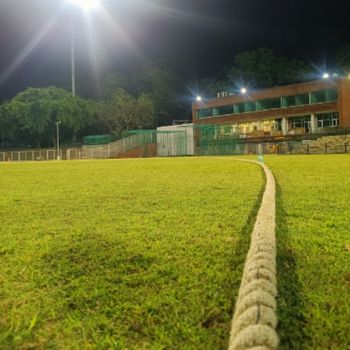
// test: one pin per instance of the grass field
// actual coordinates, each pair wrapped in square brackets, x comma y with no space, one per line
[313,237]
[131,254]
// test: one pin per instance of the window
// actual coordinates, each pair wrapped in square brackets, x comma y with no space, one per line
[205,113]
[324,96]
[250,106]
[331,95]
[238,108]
[296,100]
[318,96]
[302,122]
[222,110]
[328,120]
[268,103]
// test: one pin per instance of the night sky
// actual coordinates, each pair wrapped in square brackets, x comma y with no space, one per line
[198,38]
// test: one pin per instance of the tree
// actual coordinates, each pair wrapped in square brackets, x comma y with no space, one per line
[160,84]
[343,59]
[165,90]
[125,112]
[36,110]
[8,128]
[262,68]
[209,87]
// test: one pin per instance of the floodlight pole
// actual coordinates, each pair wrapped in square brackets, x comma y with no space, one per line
[72,52]
[58,140]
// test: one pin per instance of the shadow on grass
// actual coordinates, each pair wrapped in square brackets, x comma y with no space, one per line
[242,246]
[291,327]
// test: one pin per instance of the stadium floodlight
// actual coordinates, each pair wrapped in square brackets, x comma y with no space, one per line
[86,5]
[325,76]
[244,91]
[199,98]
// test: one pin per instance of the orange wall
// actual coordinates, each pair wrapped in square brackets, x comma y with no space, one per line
[344,103]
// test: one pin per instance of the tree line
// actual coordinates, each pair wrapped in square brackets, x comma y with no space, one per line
[146,98]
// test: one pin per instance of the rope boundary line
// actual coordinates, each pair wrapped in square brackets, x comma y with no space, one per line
[254,321]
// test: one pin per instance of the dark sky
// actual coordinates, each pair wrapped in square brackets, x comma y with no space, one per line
[198,38]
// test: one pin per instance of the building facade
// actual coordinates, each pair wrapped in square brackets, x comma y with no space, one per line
[284,112]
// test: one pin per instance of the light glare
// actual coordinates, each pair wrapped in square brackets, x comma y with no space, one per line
[199,98]
[86,5]
[325,75]
[243,91]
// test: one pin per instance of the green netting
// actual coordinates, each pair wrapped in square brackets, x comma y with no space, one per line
[181,141]
[215,140]
[97,139]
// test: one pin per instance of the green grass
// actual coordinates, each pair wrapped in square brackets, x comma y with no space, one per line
[131,254]
[313,237]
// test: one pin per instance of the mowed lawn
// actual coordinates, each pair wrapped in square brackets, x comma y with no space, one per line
[313,237]
[144,254]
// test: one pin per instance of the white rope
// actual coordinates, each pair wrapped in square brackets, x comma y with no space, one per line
[254,321]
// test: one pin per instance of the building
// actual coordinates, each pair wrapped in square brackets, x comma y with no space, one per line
[280,113]
[175,140]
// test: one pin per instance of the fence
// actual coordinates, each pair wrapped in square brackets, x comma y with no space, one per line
[39,155]
[182,141]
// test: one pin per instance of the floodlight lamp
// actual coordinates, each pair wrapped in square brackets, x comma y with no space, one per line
[199,98]
[244,91]
[86,5]
[325,76]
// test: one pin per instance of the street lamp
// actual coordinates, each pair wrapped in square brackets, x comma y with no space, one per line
[199,98]
[85,6]
[244,91]
[58,140]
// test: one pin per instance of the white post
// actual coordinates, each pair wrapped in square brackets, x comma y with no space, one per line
[58,139]
[284,126]
[313,124]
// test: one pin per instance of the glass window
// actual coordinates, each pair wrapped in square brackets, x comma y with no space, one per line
[222,110]
[205,113]
[318,96]
[296,100]
[328,120]
[238,108]
[250,106]
[331,95]
[303,123]
[268,103]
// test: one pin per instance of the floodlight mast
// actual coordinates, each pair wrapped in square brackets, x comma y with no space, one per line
[86,6]
[72,52]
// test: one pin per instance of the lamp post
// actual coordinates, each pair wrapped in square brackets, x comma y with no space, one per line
[85,6]
[58,140]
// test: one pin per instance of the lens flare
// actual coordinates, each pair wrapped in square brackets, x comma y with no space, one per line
[86,5]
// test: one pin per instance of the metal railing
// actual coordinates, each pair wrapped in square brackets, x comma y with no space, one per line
[39,155]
